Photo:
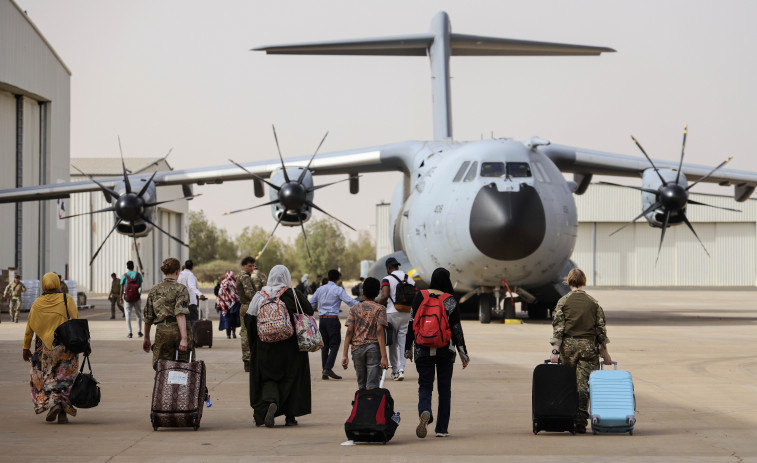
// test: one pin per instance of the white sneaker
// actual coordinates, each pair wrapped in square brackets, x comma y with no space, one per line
[400,375]
[395,376]
[442,434]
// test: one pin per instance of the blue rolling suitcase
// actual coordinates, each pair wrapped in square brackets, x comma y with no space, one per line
[613,404]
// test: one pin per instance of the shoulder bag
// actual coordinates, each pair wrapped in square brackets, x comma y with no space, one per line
[308,335]
[85,392]
[73,333]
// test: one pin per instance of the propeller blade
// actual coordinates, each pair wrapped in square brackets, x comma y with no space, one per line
[302,174]
[136,248]
[311,204]
[154,163]
[683,147]
[645,190]
[662,235]
[253,207]
[649,159]
[270,237]
[107,209]
[711,172]
[286,176]
[113,194]
[147,184]
[275,187]
[688,224]
[164,232]
[649,209]
[123,164]
[171,200]
[691,201]
[118,222]
[305,235]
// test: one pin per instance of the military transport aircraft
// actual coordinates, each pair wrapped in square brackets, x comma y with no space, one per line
[497,213]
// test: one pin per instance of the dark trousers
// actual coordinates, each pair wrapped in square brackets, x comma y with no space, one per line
[331,332]
[194,315]
[443,367]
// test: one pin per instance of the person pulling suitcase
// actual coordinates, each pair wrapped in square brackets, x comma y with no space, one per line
[579,338]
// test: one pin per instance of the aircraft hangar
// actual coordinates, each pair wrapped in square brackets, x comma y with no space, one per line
[35,116]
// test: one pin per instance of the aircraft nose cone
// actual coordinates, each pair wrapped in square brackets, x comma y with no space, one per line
[129,206]
[507,225]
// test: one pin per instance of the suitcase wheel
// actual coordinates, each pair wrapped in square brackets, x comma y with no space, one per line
[152,420]
[154,428]
[536,428]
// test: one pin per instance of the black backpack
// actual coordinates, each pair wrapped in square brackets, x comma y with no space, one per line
[404,294]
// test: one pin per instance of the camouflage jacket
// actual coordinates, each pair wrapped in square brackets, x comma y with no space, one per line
[248,285]
[578,314]
[168,298]
[14,290]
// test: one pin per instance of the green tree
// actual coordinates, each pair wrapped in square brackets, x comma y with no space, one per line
[327,247]
[251,241]
[364,248]
[207,242]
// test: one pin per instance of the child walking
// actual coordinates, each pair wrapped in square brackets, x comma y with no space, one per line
[365,333]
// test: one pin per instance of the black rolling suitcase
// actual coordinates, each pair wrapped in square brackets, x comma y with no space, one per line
[554,398]
[372,418]
[203,331]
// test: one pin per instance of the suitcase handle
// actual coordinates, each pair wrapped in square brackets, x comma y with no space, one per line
[559,362]
[602,365]
[177,355]
[383,378]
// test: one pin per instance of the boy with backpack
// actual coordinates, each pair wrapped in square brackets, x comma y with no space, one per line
[434,336]
[397,294]
[365,332]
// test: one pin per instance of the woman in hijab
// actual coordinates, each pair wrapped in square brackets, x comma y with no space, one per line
[279,372]
[228,303]
[53,367]
[436,361]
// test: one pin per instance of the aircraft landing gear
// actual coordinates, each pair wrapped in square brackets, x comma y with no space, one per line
[485,304]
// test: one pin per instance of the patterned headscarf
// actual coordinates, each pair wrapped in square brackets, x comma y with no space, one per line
[227,293]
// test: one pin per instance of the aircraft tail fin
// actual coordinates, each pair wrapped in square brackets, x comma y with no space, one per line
[438,44]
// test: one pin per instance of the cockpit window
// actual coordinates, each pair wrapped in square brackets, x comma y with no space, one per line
[518,169]
[461,172]
[472,172]
[492,169]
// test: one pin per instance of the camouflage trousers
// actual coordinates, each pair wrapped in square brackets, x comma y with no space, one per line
[245,342]
[15,308]
[167,339]
[581,354]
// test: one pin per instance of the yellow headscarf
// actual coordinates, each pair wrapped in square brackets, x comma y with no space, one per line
[48,312]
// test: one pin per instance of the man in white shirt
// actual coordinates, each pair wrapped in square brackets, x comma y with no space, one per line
[188,279]
[397,319]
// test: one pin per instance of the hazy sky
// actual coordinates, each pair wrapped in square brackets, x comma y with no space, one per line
[180,74]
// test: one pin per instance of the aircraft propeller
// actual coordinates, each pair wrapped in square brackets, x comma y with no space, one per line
[128,207]
[292,194]
[672,197]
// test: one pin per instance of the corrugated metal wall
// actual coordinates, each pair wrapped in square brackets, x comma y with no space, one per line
[7,175]
[629,258]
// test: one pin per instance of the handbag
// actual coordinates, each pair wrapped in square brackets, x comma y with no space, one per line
[73,333]
[85,392]
[308,335]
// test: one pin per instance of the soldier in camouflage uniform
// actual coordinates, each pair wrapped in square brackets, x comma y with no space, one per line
[13,291]
[63,285]
[114,296]
[579,338]
[167,307]
[250,281]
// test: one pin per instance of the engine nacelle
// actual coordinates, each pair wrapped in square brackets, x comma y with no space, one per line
[666,194]
[292,198]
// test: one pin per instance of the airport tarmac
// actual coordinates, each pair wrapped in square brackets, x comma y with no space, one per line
[691,354]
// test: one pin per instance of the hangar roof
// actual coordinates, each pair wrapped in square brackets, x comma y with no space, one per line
[111,167]
[36,29]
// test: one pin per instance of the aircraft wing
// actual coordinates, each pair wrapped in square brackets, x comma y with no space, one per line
[584,162]
[385,158]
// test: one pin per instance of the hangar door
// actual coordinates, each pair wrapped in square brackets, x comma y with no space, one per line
[629,258]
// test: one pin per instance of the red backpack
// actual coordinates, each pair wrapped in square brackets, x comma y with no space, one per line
[131,293]
[430,323]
